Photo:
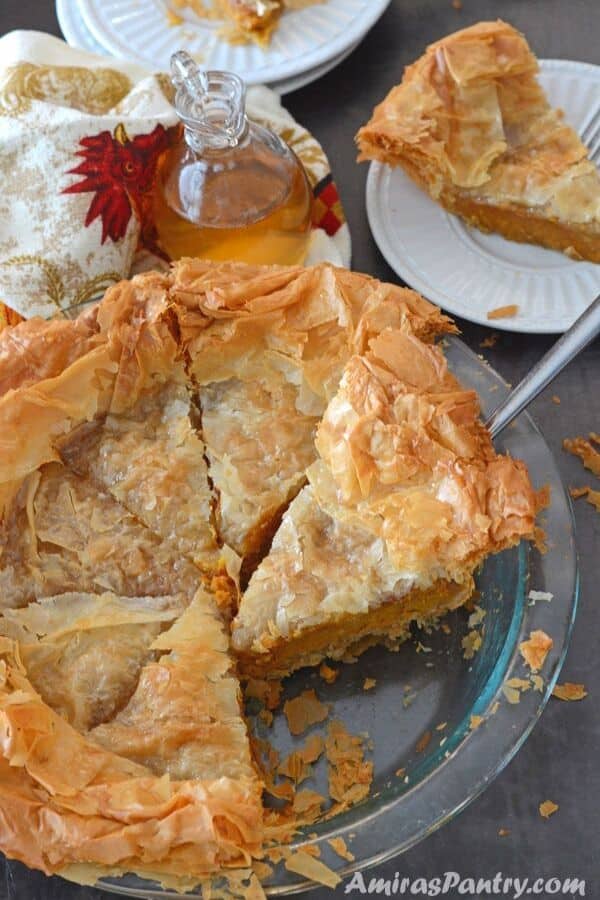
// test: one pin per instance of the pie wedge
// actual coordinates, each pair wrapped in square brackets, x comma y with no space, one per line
[267,348]
[84,652]
[405,501]
[61,534]
[471,125]
[113,402]
[164,786]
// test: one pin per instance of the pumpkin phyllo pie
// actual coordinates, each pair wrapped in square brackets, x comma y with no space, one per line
[472,126]
[282,445]
[406,499]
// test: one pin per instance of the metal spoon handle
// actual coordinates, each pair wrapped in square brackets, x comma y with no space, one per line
[579,335]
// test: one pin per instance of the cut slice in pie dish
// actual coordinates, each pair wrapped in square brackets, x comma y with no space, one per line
[267,347]
[407,498]
[164,785]
[151,460]
[111,401]
[471,125]
[62,534]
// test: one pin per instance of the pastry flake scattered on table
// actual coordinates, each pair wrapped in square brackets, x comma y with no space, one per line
[569,691]
[141,508]
[471,125]
[548,808]
[504,312]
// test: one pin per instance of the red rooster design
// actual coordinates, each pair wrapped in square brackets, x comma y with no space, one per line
[120,171]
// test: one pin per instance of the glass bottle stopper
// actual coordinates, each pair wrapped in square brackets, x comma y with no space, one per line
[211,104]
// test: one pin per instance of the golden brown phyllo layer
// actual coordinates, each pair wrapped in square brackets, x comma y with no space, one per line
[280,447]
[472,126]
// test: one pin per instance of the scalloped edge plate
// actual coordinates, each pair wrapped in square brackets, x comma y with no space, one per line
[468,272]
[77,34]
[304,40]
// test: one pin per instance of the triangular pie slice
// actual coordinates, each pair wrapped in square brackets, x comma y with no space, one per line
[471,125]
[184,716]
[151,459]
[407,498]
[145,451]
[112,399]
[84,652]
[166,787]
[267,347]
[62,534]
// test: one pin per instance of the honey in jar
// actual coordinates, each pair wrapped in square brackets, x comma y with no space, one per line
[230,189]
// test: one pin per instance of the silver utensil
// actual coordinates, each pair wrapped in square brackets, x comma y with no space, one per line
[590,136]
[573,341]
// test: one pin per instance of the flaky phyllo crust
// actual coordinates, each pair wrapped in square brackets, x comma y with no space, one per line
[472,126]
[407,495]
[195,431]
[68,800]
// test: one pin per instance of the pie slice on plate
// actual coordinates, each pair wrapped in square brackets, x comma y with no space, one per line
[471,125]
[246,20]
[407,498]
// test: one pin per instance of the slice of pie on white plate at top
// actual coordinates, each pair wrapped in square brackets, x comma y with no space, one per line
[472,126]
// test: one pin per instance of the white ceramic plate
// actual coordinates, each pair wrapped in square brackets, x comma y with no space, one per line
[74,29]
[287,85]
[468,272]
[305,38]
[77,34]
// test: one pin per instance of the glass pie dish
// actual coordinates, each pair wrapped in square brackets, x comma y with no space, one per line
[429,682]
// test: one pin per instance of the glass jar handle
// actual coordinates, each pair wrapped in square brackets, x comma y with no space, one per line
[211,104]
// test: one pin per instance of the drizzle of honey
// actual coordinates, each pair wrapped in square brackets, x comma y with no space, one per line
[194,206]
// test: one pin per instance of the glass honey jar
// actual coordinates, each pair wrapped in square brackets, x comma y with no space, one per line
[229,189]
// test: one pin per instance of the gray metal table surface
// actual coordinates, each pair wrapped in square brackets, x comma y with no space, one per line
[558,762]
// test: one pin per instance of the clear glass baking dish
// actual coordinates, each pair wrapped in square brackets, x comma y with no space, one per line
[458,763]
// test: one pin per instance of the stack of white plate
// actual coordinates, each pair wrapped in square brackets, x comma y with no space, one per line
[307,43]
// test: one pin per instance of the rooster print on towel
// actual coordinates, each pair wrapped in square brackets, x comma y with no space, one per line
[119,171]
